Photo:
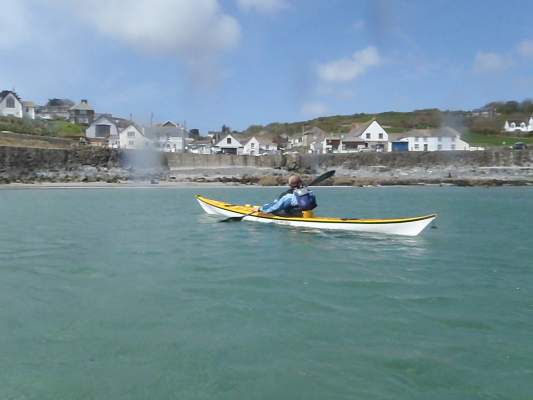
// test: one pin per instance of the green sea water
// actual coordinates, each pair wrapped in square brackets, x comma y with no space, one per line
[136,294]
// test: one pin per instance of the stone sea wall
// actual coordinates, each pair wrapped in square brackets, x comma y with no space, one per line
[90,164]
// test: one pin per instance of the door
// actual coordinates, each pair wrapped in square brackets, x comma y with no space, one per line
[425,147]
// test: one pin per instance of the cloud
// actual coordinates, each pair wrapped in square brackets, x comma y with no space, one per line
[348,69]
[486,62]
[525,48]
[196,29]
[263,6]
[314,109]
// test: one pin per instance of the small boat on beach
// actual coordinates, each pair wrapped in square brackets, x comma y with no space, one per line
[394,226]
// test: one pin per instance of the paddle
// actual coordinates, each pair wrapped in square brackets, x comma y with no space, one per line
[315,181]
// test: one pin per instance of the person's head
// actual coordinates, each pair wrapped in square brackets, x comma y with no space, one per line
[295,181]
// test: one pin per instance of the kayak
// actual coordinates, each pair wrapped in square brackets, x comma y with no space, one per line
[395,226]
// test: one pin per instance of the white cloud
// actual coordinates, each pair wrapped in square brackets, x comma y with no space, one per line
[525,48]
[486,62]
[188,28]
[315,109]
[348,69]
[14,24]
[263,6]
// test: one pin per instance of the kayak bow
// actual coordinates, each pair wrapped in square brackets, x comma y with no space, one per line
[395,226]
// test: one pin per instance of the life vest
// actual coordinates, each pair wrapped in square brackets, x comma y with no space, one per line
[305,198]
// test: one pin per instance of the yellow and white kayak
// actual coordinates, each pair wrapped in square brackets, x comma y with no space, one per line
[396,226]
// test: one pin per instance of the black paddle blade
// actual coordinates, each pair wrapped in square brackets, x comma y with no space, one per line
[232,219]
[322,177]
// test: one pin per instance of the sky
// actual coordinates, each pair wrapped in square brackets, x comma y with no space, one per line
[246,62]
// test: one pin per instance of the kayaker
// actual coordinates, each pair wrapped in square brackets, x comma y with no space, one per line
[292,202]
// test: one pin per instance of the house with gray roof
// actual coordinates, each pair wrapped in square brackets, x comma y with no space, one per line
[81,113]
[434,139]
[10,104]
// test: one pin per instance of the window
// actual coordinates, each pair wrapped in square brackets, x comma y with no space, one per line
[440,138]
[10,102]
[416,139]
[381,136]
[439,147]
[228,140]
[131,142]
[102,131]
[425,138]
[131,134]
[368,135]
[453,147]
[417,146]
[252,145]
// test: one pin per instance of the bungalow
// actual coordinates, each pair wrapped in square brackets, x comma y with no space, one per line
[517,126]
[257,146]
[439,139]
[331,144]
[370,136]
[82,113]
[10,104]
[228,145]
[132,137]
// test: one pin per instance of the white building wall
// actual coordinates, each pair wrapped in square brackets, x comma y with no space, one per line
[251,147]
[373,132]
[16,111]
[28,112]
[436,143]
[131,138]
[173,145]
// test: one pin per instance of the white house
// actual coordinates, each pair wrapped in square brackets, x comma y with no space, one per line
[104,132]
[28,109]
[132,138]
[256,147]
[440,139]
[10,104]
[518,126]
[370,136]
[169,136]
[201,146]
[228,145]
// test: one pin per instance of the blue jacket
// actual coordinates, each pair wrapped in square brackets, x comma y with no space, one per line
[284,203]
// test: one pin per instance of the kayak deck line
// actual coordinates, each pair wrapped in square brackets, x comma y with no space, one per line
[246,210]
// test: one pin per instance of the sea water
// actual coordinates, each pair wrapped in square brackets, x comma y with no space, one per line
[137,294]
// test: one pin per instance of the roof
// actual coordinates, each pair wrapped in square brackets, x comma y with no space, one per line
[82,105]
[358,130]
[123,128]
[262,140]
[434,132]
[28,103]
[4,93]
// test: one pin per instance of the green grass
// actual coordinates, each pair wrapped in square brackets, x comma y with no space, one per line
[479,139]
[57,128]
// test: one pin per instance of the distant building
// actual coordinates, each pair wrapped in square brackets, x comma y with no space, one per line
[169,136]
[82,113]
[228,145]
[28,109]
[439,139]
[103,131]
[132,138]
[370,136]
[54,109]
[518,126]
[201,146]
[257,146]
[10,104]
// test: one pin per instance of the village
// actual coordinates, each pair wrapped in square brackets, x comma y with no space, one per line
[106,130]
